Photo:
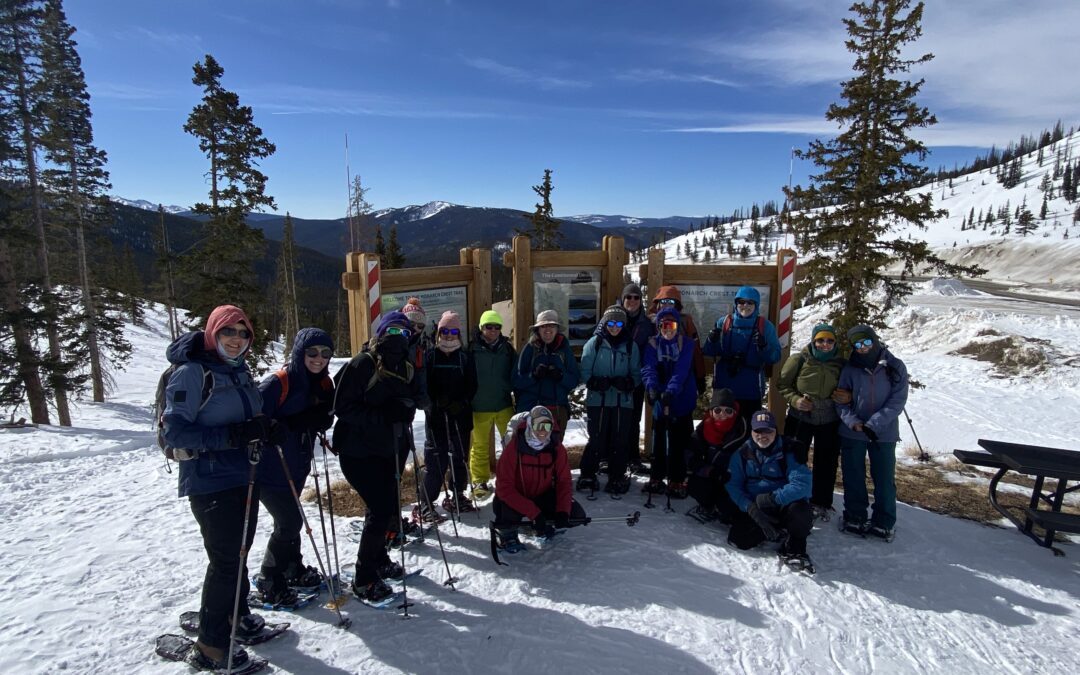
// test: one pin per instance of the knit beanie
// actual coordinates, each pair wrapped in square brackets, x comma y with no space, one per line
[614,313]
[392,319]
[630,289]
[722,397]
[413,311]
[450,319]
[491,316]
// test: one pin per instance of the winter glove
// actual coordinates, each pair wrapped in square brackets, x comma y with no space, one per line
[870,433]
[598,383]
[255,429]
[562,520]
[653,395]
[841,396]
[542,527]
[762,520]
[554,373]
[665,399]
[767,503]
[540,371]
[277,433]
[715,334]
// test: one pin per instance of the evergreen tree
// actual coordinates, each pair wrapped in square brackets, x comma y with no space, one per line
[867,173]
[544,234]
[359,216]
[1025,219]
[1043,209]
[166,260]
[222,270]
[286,284]
[380,245]
[395,259]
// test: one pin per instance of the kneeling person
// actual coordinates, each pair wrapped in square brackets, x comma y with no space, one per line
[533,481]
[770,486]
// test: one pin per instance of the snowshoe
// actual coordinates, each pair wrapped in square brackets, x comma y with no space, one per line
[636,468]
[617,485]
[422,516]
[857,528]
[508,542]
[798,562]
[391,570]
[303,577]
[823,513]
[886,534]
[267,592]
[677,490]
[481,491]
[376,594]
[703,515]
[450,504]
[587,484]
[252,630]
[180,648]
[655,486]
[394,540]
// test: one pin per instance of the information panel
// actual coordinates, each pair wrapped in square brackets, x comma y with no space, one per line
[435,301]
[574,294]
[709,303]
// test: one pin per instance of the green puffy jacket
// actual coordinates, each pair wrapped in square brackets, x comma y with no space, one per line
[494,370]
[804,375]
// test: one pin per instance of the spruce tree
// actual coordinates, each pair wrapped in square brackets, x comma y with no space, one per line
[866,171]
[544,233]
[380,244]
[286,284]
[395,259]
[359,216]
[222,270]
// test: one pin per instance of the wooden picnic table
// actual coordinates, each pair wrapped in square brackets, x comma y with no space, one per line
[1042,463]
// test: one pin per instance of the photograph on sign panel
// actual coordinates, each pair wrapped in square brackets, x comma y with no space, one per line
[574,294]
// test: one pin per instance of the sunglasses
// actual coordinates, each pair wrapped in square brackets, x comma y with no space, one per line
[723,410]
[398,330]
[492,326]
[863,344]
[229,331]
[740,302]
[542,426]
[825,341]
[449,331]
[319,352]
[631,297]
[666,301]
[614,324]
[668,325]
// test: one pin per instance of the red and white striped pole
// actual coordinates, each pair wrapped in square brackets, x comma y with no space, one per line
[374,294]
[787,297]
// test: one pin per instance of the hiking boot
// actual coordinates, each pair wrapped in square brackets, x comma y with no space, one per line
[587,484]
[884,533]
[677,490]
[481,491]
[199,661]
[823,513]
[250,625]
[450,504]
[636,468]
[857,527]
[269,592]
[394,540]
[508,542]
[655,486]
[702,514]
[618,485]
[376,591]
[303,576]
[391,570]
[422,515]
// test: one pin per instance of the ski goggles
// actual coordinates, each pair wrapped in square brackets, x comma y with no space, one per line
[229,331]
[492,326]
[614,324]
[666,301]
[449,331]
[318,352]
[668,325]
[398,330]
[542,426]
[865,343]
[723,410]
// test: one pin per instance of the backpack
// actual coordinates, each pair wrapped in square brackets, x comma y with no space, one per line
[410,372]
[177,454]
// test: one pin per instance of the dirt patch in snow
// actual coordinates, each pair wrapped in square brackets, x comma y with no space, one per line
[1010,355]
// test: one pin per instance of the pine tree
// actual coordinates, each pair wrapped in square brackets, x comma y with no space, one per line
[544,234]
[166,260]
[286,283]
[395,259]
[380,244]
[222,270]
[359,216]
[866,172]
[1025,219]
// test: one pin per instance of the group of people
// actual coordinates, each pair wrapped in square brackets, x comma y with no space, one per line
[253,443]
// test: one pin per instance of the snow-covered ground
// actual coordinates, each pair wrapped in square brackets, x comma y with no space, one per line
[99,556]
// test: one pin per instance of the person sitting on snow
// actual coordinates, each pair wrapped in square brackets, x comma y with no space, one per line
[532,481]
[717,437]
[770,486]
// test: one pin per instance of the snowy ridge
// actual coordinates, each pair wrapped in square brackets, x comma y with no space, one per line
[91,527]
[147,205]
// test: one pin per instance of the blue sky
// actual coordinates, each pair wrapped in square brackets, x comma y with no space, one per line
[643,108]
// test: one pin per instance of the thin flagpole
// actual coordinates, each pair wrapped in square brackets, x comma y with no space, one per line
[791,168]
[348,197]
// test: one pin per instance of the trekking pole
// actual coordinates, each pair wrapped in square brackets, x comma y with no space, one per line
[468,476]
[331,580]
[449,577]
[254,455]
[342,621]
[923,457]
[630,519]
[330,501]
[401,532]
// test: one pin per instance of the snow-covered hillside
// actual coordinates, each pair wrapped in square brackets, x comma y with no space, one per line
[100,556]
[1046,256]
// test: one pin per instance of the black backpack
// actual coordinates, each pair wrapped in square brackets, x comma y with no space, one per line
[177,454]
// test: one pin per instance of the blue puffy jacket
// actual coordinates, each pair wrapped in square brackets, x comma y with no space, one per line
[529,391]
[878,396]
[306,410]
[755,471]
[601,358]
[668,366]
[742,352]
[194,424]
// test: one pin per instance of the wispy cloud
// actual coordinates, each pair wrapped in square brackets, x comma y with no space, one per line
[662,75]
[766,125]
[515,74]
[288,99]
[160,39]
[128,92]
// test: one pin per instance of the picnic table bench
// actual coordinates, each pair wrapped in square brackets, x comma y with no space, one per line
[1042,463]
